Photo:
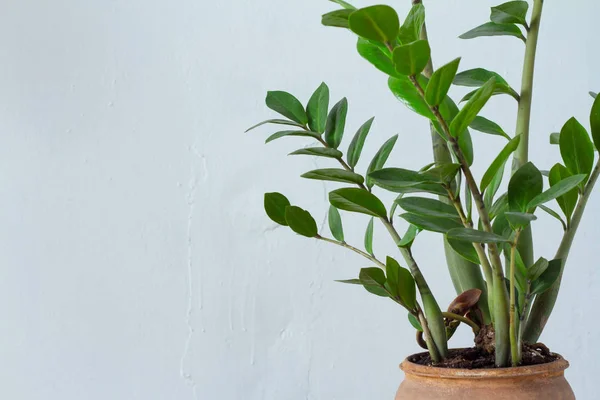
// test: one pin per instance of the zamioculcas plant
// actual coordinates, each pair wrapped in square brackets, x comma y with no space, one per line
[504,293]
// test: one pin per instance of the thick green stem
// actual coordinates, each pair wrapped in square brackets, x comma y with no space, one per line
[429,342]
[515,351]
[544,303]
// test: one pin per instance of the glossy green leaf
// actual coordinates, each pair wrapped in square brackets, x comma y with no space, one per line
[478,77]
[432,188]
[380,158]
[378,56]
[358,141]
[275,204]
[415,322]
[525,184]
[412,58]
[335,223]
[373,280]
[369,237]
[595,122]
[554,214]
[281,134]
[499,206]
[336,122]
[537,269]
[394,178]
[378,23]
[499,162]
[465,143]
[334,175]
[401,284]
[286,105]
[513,12]
[357,200]
[493,29]
[474,236]
[558,189]
[576,148]
[344,4]
[567,201]
[519,220]
[409,236]
[443,173]
[318,152]
[337,18]
[470,110]
[484,125]
[349,281]
[548,277]
[300,221]
[405,91]
[430,223]
[410,30]
[317,108]
[555,138]
[465,250]
[428,207]
[275,121]
[440,82]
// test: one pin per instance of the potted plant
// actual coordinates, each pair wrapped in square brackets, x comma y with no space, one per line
[505,295]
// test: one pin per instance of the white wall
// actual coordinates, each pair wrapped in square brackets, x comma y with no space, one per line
[135,258]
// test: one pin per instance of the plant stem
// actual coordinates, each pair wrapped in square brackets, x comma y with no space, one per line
[354,249]
[431,346]
[462,319]
[514,340]
[544,303]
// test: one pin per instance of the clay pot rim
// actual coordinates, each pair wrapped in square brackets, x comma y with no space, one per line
[552,368]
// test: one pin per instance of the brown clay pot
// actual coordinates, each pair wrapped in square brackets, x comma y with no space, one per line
[537,382]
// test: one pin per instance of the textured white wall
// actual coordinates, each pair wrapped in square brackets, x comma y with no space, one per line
[135,258]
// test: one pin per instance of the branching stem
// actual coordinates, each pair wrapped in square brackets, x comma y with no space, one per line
[354,249]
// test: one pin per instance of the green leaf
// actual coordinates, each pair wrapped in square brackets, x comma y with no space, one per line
[484,125]
[519,220]
[432,188]
[466,145]
[430,223]
[513,12]
[465,250]
[317,107]
[344,4]
[537,269]
[378,56]
[335,223]
[275,121]
[300,221]
[493,29]
[358,141]
[478,77]
[557,190]
[379,23]
[548,277]
[415,322]
[444,173]
[470,110]
[334,175]
[567,201]
[336,122]
[498,164]
[281,134]
[412,58]
[499,206]
[554,214]
[474,236]
[410,30]
[394,178]
[401,284]
[380,158]
[409,237]
[318,152]
[369,237]
[349,281]
[275,204]
[525,184]
[405,91]
[593,94]
[555,138]
[595,122]
[440,82]
[286,105]
[357,200]
[576,148]
[428,207]
[373,280]
[337,18]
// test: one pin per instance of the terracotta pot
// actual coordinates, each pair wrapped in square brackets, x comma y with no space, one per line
[543,382]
